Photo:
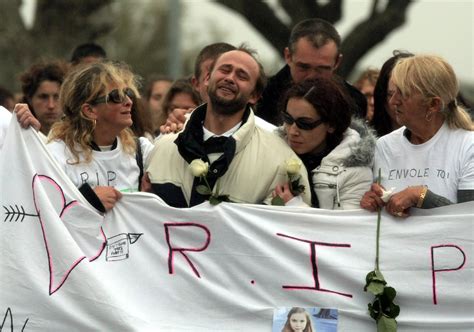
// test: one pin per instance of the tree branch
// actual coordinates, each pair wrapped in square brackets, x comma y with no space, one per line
[373,10]
[305,9]
[263,19]
[332,11]
[371,32]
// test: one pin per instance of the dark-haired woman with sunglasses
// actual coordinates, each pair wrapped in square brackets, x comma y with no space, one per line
[94,143]
[316,116]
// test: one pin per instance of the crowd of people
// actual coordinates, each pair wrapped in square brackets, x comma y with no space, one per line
[306,137]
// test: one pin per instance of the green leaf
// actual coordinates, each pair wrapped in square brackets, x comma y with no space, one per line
[370,276]
[379,276]
[372,312]
[375,287]
[390,293]
[295,183]
[294,177]
[386,324]
[375,276]
[387,297]
[214,200]
[277,200]
[224,198]
[295,187]
[203,190]
[394,310]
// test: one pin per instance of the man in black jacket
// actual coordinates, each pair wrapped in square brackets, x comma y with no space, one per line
[313,51]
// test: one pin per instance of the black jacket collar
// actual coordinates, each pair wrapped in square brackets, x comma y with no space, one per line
[190,140]
[191,146]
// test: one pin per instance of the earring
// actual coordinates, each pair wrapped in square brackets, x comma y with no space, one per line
[429,116]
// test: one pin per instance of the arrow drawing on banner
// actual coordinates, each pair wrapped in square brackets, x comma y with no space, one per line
[133,237]
[18,212]
[8,315]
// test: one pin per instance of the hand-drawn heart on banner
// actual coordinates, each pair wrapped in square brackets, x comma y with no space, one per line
[82,237]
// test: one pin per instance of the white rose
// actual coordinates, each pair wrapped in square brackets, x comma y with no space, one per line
[293,166]
[198,167]
[386,194]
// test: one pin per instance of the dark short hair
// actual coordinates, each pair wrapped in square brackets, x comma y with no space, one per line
[85,50]
[318,31]
[211,51]
[329,99]
[261,79]
[151,82]
[5,94]
[54,71]
[182,85]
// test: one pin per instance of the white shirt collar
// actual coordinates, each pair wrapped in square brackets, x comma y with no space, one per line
[208,134]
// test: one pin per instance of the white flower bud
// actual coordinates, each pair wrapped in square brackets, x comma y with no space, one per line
[293,166]
[199,168]
[386,194]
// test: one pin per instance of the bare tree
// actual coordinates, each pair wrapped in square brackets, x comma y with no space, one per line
[384,18]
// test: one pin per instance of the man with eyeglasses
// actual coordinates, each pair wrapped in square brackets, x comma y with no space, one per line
[313,51]
[236,160]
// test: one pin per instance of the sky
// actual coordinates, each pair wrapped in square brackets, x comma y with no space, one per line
[437,27]
[442,27]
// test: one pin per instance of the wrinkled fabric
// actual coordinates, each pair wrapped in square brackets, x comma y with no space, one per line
[149,267]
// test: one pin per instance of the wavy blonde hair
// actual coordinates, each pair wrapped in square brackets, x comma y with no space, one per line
[82,86]
[432,76]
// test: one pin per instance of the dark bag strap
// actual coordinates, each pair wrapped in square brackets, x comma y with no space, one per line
[139,157]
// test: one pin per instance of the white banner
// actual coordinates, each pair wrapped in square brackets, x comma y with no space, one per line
[149,267]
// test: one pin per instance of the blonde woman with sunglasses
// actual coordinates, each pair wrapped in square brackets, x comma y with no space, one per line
[316,118]
[94,143]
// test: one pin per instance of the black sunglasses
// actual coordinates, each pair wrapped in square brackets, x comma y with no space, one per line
[300,122]
[115,97]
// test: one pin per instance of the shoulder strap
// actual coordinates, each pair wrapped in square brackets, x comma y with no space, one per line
[139,157]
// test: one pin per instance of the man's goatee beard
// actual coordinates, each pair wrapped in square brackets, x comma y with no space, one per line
[226,107]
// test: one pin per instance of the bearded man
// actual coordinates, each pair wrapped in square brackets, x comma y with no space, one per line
[237,161]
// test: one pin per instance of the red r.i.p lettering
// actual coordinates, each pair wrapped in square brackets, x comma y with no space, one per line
[434,270]
[314,265]
[182,250]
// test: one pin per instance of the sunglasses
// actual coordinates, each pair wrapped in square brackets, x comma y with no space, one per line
[301,123]
[115,96]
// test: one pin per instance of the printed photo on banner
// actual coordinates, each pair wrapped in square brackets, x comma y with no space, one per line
[297,319]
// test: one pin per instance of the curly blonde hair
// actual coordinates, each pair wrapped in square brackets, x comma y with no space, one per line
[83,85]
